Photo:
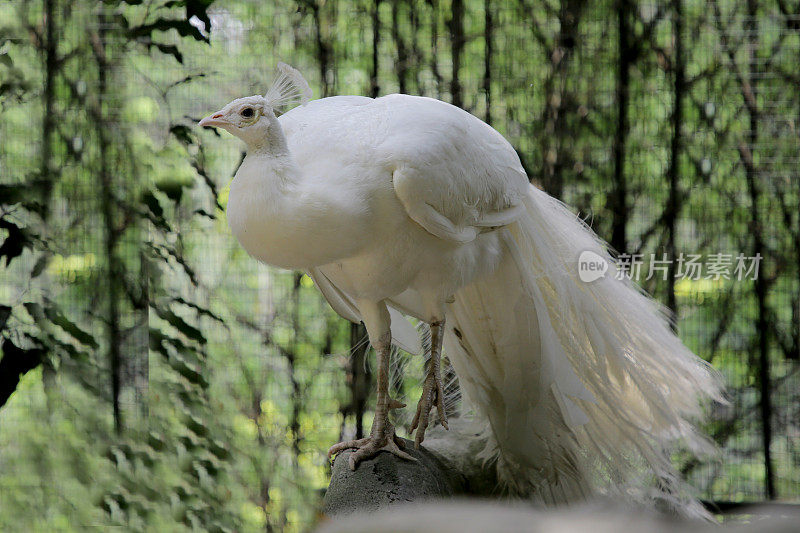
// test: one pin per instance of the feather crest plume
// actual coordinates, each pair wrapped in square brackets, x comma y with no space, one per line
[289,88]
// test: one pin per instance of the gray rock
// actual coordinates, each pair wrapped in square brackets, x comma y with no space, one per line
[441,471]
[385,480]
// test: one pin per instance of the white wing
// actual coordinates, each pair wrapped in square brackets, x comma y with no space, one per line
[455,175]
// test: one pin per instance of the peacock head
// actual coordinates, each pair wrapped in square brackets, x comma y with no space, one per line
[253,118]
[248,118]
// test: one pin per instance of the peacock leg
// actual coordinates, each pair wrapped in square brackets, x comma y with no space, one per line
[432,390]
[382,436]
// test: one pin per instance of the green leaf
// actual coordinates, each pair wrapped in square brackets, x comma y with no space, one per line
[35,310]
[200,309]
[181,325]
[17,240]
[185,370]
[194,8]
[12,194]
[5,313]
[156,441]
[183,27]
[159,341]
[70,350]
[151,202]
[199,8]
[196,426]
[182,133]
[169,49]
[172,188]
[56,317]
[204,213]
[219,449]
[40,265]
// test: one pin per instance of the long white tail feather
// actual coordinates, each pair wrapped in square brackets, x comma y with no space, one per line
[583,388]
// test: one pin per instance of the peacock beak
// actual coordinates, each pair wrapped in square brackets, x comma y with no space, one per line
[213,120]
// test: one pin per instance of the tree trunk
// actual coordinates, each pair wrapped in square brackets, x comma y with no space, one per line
[113,274]
[457,48]
[673,206]
[48,96]
[555,87]
[434,55]
[488,48]
[291,358]
[360,378]
[759,249]
[374,87]
[618,202]
[401,67]
[324,53]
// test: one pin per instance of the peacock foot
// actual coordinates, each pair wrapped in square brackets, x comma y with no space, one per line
[432,394]
[366,448]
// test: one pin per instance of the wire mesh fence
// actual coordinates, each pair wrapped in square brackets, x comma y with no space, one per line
[672,127]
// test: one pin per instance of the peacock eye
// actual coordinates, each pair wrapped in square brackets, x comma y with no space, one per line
[247,112]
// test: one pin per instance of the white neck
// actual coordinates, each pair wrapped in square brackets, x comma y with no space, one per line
[267,145]
[271,142]
[265,137]
[279,173]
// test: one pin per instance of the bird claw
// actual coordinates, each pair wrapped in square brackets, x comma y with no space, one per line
[432,393]
[369,447]
[386,440]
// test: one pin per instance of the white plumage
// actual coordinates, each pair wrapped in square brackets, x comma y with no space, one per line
[404,205]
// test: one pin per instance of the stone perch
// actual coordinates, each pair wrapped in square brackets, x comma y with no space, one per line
[445,467]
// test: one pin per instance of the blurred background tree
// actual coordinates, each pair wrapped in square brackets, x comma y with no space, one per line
[153,376]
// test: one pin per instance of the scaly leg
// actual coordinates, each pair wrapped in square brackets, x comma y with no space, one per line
[382,436]
[432,390]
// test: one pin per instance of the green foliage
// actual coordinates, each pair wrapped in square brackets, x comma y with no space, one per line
[166,464]
[234,378]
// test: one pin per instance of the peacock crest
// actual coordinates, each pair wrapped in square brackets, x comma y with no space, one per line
[288,89]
